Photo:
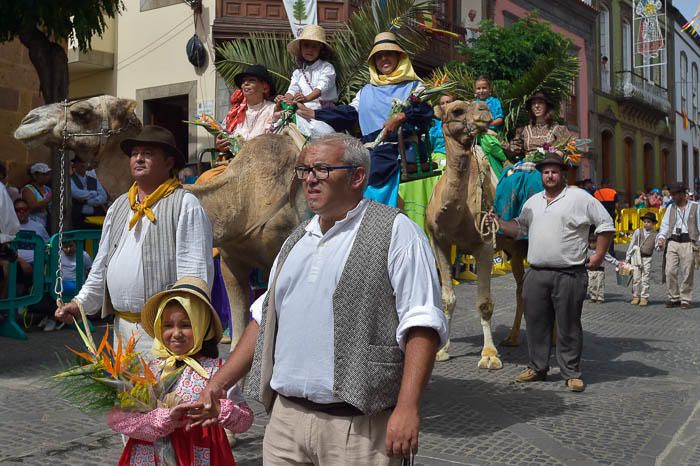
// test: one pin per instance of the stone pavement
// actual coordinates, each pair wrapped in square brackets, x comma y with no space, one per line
[641,406]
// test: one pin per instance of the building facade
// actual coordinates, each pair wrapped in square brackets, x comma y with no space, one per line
[631,120]
[142,56]
[19,93]
[686,107]
[576,20]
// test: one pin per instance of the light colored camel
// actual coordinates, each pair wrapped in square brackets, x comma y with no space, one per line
[249,204]
[44,126]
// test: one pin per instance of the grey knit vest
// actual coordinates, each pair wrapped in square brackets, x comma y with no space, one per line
[158,249]
[692,224]
[368,361]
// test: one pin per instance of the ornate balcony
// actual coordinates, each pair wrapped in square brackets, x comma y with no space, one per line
[634,89]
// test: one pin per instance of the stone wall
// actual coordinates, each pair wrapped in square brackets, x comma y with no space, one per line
[19,93]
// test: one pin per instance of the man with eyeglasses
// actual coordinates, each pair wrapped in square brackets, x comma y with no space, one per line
[153,235]
[343,342]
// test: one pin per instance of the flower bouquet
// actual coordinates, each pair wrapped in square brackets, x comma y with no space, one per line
[399,106]
[104,378]
[570,150]
[214,128]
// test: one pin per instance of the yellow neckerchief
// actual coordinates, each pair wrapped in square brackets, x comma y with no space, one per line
[200,318]
[144,207]
[403,72]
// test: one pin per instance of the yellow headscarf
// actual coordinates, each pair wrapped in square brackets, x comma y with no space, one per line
[403,72]
[200,318]
[144,207]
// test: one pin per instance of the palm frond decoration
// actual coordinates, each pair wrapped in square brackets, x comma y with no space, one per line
[551,74]
[351,45]
[459,75]
[264,48]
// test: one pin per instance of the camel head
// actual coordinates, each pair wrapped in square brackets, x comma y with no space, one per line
[45,124]
[462,121]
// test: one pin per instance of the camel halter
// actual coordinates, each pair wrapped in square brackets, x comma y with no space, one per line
[104,133]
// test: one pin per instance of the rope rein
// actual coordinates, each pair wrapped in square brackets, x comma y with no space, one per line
[487,229]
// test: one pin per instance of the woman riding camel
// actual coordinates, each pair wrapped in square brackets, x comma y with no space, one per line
[523,180]
[391,78]
[251,112]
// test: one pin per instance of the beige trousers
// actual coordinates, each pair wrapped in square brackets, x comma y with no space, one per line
[298,436]
[640,279]
[679,271]
[596,285]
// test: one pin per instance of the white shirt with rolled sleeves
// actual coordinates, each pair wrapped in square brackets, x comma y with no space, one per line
[558,231]
[304,348]
[125,273]
[682,214]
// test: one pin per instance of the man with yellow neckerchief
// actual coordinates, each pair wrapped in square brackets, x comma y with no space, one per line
[152,235]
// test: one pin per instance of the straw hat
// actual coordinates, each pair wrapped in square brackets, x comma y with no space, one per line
[193,286]
[385,42]
[311,32]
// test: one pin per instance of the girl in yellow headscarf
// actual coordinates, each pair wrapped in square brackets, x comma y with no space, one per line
[186,331]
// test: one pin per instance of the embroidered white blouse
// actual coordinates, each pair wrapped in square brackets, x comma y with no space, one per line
[257,120]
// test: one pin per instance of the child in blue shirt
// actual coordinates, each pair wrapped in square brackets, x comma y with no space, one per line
[482,92]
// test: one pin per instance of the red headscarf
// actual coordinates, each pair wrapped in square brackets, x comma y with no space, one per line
[239,105]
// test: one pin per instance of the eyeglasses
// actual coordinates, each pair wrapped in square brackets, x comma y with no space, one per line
[321,172]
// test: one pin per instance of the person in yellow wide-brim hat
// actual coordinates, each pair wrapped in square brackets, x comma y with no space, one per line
[391,78]
[313,82]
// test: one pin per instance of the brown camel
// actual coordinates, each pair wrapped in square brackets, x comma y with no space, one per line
[44,126]
[249,204]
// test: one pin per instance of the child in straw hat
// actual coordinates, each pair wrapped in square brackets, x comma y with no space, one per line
[186,331]
[313,82]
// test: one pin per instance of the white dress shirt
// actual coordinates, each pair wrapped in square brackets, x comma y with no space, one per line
[125,272]
[558,231]
[91,199]
[682,214]
[319,75]
[304,349]
[9,224]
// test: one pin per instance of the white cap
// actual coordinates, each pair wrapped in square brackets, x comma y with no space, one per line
[39,168]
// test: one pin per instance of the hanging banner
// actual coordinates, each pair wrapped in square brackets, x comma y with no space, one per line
[649,22]
[301,13]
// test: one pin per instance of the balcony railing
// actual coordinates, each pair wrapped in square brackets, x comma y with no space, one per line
[629,85]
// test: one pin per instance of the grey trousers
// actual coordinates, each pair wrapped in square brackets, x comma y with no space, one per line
[550,295]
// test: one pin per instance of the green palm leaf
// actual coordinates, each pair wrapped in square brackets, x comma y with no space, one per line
[268,49]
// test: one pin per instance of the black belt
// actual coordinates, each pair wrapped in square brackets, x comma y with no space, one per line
[569,269]
[332,409]
[682,238]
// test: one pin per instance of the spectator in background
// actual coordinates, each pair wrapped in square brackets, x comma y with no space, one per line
[654,199]
[89,197]
[640,202]
[69,266]
[11,190]
[666,199]
[607,196]
[37,193]
[27,224]
[9,226]
[588,186]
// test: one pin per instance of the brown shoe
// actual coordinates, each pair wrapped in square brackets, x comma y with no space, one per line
[634,301]
[530,375]
[643,302]
[670,304]
[685,305]
[575,385]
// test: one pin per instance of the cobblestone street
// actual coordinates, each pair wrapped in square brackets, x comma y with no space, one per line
[641,405]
